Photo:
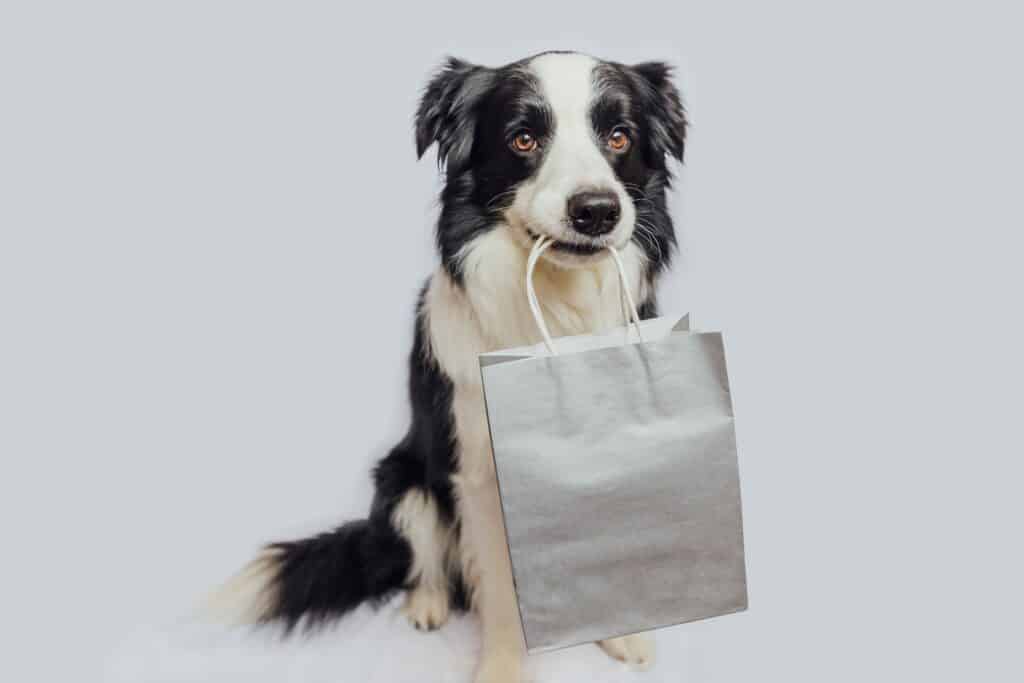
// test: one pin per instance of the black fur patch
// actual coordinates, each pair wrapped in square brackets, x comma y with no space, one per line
[319,579]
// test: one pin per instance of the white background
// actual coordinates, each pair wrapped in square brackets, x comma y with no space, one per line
[205,206]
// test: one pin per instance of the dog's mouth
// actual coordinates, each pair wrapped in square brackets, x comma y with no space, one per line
[571,247]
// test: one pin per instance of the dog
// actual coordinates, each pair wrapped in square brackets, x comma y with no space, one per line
[560,145]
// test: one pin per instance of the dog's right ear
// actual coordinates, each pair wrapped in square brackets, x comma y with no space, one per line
[447,112]
[664,109]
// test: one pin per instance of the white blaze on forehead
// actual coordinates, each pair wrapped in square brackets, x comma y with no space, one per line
[573,160]
[567,83]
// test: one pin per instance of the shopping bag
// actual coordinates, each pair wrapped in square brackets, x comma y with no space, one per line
[617,472]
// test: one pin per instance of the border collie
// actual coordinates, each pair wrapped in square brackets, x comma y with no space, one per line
[559,145]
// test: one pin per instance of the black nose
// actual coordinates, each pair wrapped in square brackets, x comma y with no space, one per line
[594,212]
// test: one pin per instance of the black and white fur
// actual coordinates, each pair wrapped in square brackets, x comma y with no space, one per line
[435,528]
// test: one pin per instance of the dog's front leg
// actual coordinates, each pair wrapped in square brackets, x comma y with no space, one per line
[483,549]
[494,595]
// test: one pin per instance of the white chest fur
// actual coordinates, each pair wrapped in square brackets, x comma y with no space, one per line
[490,312]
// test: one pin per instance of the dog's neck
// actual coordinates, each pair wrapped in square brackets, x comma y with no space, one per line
[488,310]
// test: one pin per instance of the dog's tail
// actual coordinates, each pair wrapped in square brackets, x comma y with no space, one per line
[317,579]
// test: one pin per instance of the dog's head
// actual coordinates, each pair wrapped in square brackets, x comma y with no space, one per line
[561,145]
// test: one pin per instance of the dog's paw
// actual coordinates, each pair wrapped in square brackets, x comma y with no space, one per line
[500,668]
[426,608]
[636,650]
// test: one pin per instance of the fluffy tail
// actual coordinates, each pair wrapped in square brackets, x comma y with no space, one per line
[317,579]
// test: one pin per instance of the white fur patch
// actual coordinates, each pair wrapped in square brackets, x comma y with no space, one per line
[248,596]
[490,311]
[418,520]
[636,650]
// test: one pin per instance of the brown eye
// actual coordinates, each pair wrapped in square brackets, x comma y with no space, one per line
[618,140]
[524,141]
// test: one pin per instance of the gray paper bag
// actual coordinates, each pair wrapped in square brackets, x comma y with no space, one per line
[616,464]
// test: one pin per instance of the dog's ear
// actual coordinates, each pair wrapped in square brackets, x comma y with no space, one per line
[447,111]
[665,111]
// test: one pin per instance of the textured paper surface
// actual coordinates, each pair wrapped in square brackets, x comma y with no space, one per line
[619,484]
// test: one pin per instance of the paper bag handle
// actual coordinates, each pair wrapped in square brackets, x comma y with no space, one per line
[542,244]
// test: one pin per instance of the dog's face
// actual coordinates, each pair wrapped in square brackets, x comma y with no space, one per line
[561,145]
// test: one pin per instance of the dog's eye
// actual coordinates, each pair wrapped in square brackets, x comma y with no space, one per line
[619,140]
[523,141]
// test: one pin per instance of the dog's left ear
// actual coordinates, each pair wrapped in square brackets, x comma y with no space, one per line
[665,109]
[447,112]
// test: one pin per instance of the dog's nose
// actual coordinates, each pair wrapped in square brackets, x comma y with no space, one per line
[594,212]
